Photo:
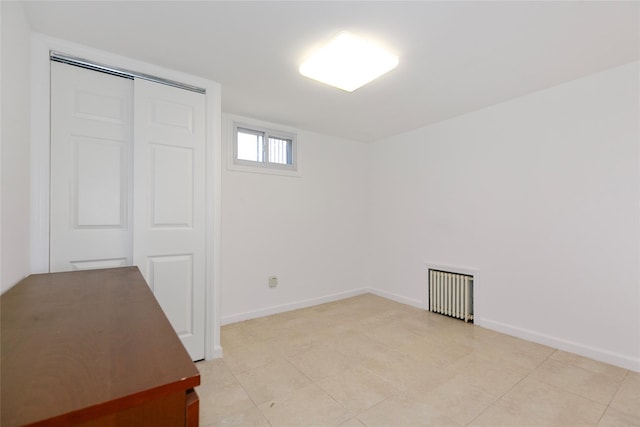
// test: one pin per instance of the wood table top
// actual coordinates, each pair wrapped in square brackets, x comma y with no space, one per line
[80,344]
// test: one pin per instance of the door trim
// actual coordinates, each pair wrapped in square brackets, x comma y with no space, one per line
[41,46]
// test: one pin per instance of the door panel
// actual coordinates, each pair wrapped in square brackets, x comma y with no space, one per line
[171,189]
[103,263]
[91,150]
[100,172]
[171,278]
[169,209]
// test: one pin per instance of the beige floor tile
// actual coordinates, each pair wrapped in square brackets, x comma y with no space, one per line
[357,303]
[321,361]
[215,372]
[401,411]
[614,418]
[357,345]
[594,386]
[437,352]
[353,422]
[399,369]
[274,380]
[309,406]
[235,335]
[510,350]
[219,402]
[368,361]
[457,399]
[424,379]
[250,418]
[342,312]
[357,388]
[245,358]
[423,324]
[393,334]
[294,343]
[474,336]
[306,323]
[532,403]
[627,399]
[373,319]
[589,364]
[263,331]
[489,375]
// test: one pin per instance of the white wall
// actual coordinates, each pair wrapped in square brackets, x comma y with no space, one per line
[541,195]
[308,230]
[15,142]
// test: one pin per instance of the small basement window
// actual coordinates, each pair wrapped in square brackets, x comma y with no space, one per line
[264,148]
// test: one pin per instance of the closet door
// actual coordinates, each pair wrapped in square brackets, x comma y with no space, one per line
[128,187]
[91,152]
[169,204]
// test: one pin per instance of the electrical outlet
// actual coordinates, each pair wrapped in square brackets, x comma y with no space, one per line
[273,281]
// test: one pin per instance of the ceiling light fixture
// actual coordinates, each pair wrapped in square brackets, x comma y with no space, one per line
[348,62]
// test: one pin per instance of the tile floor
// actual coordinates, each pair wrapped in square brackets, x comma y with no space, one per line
[368,361]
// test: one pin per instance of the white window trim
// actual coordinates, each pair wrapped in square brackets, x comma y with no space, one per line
[268,129]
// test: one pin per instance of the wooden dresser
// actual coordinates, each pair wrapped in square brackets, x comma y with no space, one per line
[92,348]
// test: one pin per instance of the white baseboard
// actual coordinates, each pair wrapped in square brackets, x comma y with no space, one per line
[561,344]
[247,315]
[399,298]
[216,354]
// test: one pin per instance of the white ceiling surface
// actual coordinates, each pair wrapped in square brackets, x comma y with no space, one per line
[455,57]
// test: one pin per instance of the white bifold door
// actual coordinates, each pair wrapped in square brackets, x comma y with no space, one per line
[128,186]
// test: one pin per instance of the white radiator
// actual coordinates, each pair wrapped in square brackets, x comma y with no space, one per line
[451,294]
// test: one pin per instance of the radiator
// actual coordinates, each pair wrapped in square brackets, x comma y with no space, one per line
[451,294]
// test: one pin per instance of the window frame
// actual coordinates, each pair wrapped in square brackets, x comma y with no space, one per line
[266,133]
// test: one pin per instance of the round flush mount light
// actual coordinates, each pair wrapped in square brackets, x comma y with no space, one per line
[348,62]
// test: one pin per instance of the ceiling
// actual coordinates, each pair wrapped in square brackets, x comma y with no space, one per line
[455,57]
